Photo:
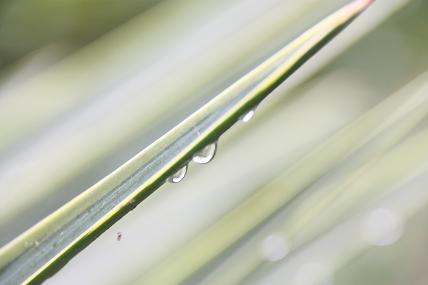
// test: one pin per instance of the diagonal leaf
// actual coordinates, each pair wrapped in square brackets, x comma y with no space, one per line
[45,248]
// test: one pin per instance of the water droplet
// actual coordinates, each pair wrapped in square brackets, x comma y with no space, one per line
[248,116]
[131,202]
[382,227]
[313,273]
[179,175]
[206,154]
[274,248]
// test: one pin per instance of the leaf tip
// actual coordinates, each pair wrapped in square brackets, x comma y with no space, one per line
[361,5]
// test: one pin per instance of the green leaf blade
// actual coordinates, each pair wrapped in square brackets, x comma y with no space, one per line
[45,248]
